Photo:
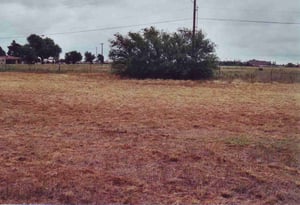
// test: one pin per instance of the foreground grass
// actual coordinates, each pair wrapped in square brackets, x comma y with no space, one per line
[93,138]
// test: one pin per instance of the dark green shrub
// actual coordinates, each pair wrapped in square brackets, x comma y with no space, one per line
[154,54]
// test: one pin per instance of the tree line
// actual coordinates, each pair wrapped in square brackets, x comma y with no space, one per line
[38,49]
[248,63]
[73,57]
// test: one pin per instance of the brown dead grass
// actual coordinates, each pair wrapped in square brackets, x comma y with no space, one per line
[94,138]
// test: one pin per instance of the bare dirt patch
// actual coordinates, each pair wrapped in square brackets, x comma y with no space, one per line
[94,138]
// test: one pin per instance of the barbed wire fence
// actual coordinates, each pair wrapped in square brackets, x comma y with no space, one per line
[224,73]
[55,68]
[258,74]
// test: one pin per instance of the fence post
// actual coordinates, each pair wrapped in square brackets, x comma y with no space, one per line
[271,75]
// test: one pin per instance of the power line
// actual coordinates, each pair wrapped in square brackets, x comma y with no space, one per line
[162,22]
[104,28]
[252,10]
[249,21]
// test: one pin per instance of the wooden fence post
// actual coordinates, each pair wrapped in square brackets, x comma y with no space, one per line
[271,75]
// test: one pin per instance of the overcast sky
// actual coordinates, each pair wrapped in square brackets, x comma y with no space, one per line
[235,40]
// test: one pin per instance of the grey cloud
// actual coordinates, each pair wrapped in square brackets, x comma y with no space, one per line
[29,3]
[58,3]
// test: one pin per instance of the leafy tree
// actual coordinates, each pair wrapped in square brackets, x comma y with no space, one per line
[28,54]
[51,49]
[73,57]
[14,49]
[2,52]
[155,54]
[36,47]
[100,58]
[89,57]
[44,48]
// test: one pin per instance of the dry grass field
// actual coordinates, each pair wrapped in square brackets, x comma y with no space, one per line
[94,138]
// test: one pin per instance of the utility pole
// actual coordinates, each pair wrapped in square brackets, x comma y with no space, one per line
[96,51]
[194,19]
[102,48]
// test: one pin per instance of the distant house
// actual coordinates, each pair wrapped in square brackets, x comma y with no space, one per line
[258,63]
[9,60]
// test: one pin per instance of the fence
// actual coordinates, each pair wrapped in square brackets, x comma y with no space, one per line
[226,73]
[263,75]
[53,68]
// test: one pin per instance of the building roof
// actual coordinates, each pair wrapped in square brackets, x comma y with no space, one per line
[9,58]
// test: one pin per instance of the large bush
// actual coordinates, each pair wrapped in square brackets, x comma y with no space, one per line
[155,54]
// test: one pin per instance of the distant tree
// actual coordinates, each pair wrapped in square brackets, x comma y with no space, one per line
[155,54]
[28,54]
[52,49]
[89,57]
[14,49]
[291,65]
[73,57]
[2,52]
[233,63]
[100,58]
[37,47]
[44,48]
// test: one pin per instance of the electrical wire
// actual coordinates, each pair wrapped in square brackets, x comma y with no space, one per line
[161,22]
[104,28]
[249,21]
